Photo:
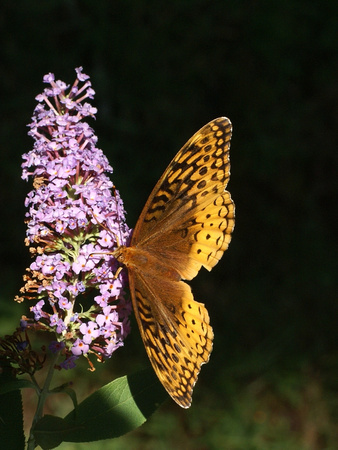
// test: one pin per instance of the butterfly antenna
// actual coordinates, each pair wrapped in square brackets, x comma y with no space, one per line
[119,239]
[116,237]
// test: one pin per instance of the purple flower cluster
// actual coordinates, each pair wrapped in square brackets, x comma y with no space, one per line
[75,220]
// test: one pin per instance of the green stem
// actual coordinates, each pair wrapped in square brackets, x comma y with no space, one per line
[37,387]
[31,444]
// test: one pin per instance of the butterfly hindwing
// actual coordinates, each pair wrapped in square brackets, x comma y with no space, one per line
[175,330]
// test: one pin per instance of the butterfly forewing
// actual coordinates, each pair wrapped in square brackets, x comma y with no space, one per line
[186,223]
[199,170]
[200,238]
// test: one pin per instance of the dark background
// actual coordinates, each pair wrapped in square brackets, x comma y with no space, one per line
[161,70]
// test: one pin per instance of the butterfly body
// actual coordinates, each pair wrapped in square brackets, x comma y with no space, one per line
[186,224]
[138,259]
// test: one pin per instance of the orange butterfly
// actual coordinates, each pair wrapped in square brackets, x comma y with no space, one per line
[186,223]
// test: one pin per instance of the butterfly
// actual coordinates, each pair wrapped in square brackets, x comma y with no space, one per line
[185,224]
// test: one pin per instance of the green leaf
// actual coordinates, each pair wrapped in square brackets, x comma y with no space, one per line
[113,410]
[11,415]
[72,394]
[15,385]
[64,388]
[49,432]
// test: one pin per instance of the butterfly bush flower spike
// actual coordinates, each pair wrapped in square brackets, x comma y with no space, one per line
[74,215]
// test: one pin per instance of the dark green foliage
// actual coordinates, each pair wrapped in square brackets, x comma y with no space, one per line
[113,410]
[11,416]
